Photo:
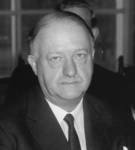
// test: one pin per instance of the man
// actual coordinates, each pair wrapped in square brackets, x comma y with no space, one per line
[109,86]
[61,56]
[106,85]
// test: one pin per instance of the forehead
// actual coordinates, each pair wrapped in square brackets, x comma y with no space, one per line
[63,26]
[63,33]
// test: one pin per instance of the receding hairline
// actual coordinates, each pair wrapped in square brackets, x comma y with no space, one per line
[56,17]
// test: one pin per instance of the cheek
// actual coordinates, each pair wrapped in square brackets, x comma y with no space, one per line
[86,69]
[49,74]
[87,74]
[47,78]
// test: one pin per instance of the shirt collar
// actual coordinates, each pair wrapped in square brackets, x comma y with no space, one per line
[60,113]
[78,114]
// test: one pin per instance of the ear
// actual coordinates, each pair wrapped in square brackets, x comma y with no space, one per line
[32,61]
[93,53]
[95,32]
[92,48]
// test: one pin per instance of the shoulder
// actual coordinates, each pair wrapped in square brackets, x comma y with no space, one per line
[107,118]
[96,103]
[19,105]
[107,113]
[14,108]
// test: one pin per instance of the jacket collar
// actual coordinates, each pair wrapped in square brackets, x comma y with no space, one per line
[43,124]
[97,136]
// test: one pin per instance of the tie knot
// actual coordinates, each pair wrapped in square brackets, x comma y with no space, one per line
[69,119]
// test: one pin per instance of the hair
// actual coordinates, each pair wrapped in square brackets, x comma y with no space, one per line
[78,3]
[55,16]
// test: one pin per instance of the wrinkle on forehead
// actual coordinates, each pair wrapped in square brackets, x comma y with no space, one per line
[63,33]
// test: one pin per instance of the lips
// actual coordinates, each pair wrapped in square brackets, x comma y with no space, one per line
[69,81]
[74,82]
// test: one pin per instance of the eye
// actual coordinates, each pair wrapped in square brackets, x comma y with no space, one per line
[80,55]
[55,58]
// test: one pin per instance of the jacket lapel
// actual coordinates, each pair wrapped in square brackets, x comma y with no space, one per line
[43,124]
[97,136]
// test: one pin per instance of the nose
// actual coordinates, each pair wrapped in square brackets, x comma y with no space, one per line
[70,68]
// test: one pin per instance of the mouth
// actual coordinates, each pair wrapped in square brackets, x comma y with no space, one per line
[68,83]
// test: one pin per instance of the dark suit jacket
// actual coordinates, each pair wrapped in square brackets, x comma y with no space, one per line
[31,125]
[109,86]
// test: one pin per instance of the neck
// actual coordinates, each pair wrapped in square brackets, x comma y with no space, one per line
[67,105]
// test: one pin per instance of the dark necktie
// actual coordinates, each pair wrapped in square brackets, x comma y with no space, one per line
[73,138]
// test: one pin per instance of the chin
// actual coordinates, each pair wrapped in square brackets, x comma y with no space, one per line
[72,95]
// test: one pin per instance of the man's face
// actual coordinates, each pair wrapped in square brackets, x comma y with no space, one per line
[64,64]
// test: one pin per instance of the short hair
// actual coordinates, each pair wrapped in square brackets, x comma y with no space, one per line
[46,20]
[77,3]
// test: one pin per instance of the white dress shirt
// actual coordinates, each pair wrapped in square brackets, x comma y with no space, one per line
[78,123]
